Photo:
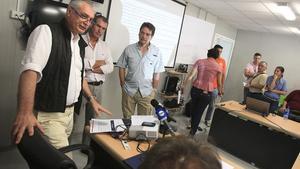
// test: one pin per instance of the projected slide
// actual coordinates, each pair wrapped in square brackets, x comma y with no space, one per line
[126,17]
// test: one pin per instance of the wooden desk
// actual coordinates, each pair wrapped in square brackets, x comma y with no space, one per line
[116,150]
[268,142]
[287,126]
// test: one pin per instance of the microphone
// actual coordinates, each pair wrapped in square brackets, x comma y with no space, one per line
[162,115]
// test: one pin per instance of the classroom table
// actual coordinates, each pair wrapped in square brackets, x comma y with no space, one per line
[267,142]
[110,154]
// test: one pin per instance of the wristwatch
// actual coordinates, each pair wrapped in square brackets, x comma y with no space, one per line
[91,97]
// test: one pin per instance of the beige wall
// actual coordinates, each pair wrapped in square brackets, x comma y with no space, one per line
[276,50]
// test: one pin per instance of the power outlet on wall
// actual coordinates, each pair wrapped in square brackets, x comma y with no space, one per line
[17,15]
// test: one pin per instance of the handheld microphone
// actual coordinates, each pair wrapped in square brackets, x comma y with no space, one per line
[162,115]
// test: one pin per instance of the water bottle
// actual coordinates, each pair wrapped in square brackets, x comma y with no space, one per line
[286,113]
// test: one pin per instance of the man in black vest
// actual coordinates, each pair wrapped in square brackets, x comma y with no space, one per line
[52,77]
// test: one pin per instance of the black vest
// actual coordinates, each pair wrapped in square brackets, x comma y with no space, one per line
[51,91]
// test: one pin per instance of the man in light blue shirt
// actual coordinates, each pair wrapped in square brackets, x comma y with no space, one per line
[142,63]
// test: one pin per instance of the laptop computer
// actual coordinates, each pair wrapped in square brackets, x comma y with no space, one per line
[259,106]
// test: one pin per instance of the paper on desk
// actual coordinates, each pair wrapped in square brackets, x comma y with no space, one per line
[104,125]
[226,165]
[137,120]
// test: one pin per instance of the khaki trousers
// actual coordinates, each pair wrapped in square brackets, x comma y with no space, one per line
[57,126]
[129,104]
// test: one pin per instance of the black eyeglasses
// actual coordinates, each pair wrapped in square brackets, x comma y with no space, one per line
[83,17]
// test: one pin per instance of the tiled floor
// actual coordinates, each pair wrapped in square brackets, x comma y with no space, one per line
[11,159]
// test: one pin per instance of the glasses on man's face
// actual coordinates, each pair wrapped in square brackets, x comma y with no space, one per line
[82,16]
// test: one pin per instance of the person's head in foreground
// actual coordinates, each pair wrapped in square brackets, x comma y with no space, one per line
[181,153]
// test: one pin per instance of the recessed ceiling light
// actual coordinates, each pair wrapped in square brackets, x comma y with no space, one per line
[295,30]
[286,11]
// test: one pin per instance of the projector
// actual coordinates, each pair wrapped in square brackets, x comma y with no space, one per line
[139,132]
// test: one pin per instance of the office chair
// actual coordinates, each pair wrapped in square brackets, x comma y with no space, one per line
[40,154]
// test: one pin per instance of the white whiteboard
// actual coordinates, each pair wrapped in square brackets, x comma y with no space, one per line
[196,38]
[126,17]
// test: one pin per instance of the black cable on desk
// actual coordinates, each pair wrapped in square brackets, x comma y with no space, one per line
[141,138]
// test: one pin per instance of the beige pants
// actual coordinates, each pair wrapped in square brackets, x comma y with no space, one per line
[143,104]
[57,126]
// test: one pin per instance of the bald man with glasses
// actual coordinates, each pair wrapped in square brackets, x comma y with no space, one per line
[51,80]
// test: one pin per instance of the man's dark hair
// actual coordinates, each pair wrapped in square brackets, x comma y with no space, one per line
[257,54]
[149,26]
[280,68]
[181,153]
[100,16]
[217,46]
[213,53]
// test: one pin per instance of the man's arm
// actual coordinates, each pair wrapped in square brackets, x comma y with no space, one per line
[122,72]
[97,66]
[283,107]
[261,82]
[220,83]
[155,82]
[96,106]
[25,118]
[247,73]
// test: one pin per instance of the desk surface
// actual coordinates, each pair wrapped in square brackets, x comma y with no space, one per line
[115,148]
[287,126]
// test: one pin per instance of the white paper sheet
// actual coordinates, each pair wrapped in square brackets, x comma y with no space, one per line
[104,125]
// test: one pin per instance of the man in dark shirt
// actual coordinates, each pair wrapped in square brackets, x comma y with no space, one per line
[292,102]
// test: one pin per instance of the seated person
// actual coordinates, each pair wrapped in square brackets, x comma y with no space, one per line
[275,87]
[292,101]
[183,153]
[258,82]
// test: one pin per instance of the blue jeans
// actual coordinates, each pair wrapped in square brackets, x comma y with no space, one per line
[200,101]
[211,106]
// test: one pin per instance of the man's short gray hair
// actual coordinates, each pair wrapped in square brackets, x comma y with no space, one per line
[77,3]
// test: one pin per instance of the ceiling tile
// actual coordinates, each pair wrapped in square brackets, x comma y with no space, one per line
[248,6]
[255,15]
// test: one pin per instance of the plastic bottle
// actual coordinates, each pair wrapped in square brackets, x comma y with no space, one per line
[286,113]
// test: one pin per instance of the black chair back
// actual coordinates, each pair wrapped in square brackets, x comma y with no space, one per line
[40,154]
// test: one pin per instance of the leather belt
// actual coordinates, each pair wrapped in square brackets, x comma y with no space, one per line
[96,83]
[71,105]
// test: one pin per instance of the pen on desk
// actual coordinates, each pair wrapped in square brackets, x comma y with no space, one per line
[112,125]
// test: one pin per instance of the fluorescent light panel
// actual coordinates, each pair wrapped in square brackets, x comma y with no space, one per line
[295,30]
[286,11]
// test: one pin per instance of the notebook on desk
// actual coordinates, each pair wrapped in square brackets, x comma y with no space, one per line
[259,106]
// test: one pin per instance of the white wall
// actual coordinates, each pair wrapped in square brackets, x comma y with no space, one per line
[276,50]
